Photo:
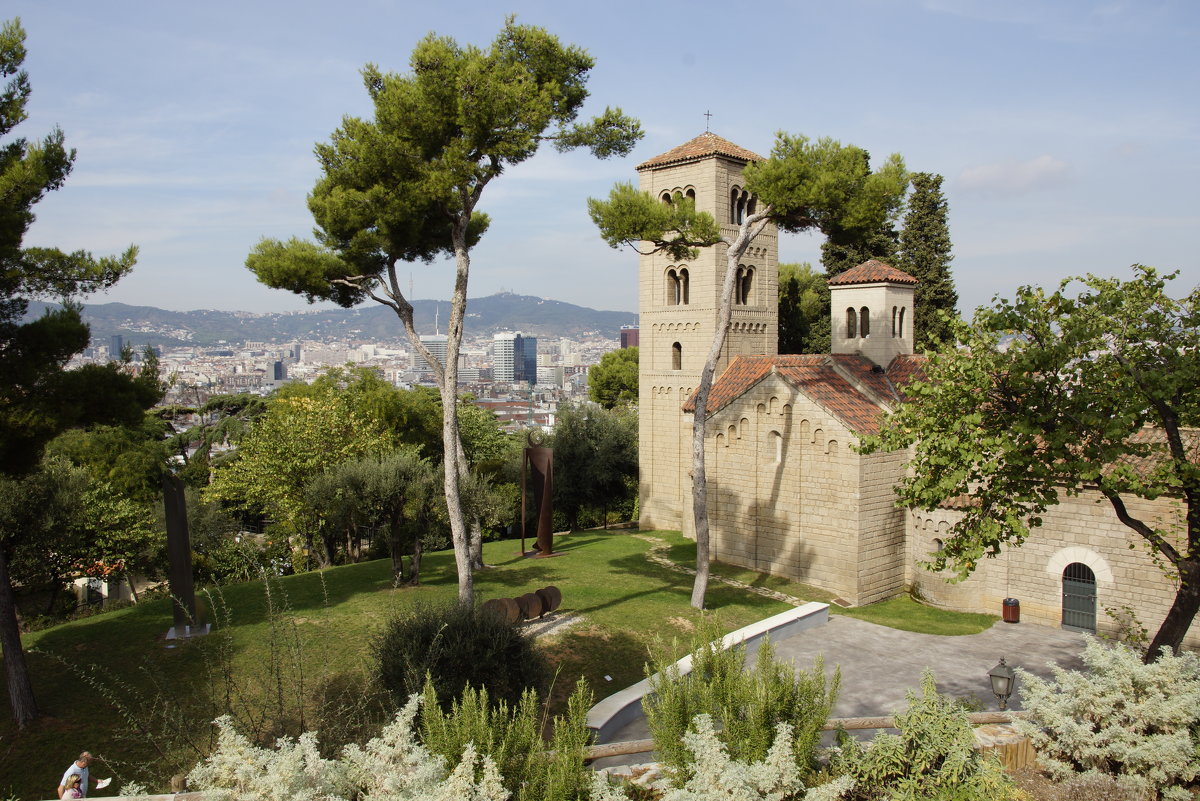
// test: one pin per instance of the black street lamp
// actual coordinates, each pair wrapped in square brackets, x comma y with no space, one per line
[1004,679]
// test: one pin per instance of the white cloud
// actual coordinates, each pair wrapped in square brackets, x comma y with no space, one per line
[1015,177]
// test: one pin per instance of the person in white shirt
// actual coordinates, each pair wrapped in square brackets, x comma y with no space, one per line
[78,768]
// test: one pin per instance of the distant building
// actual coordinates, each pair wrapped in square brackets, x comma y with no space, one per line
[437,344]
[514,358]
[280,371]
[116,344]
[629,336]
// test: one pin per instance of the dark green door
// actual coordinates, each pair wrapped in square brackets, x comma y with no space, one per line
[1079,598]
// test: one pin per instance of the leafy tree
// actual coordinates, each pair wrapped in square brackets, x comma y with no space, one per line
[803,310]
[1052,394]
[406,185]
[924,253]
[296,439]
[129,458]
[38,398]
[847,248]
[595,458]
[614,380]
[393,491]
[224,420]
[803,186]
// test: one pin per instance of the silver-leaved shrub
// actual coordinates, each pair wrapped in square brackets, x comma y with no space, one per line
[392,767]
[1120,717]
[719,777]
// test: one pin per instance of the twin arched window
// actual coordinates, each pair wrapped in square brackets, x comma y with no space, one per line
[677,287]
[744,288]
[898,321]
[741,203]
[858,323]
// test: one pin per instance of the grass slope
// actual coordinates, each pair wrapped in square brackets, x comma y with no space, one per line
[112,685]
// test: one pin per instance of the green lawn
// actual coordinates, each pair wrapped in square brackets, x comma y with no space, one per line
[307,647]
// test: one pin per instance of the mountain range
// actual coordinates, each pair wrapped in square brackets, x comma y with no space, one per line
[147,325]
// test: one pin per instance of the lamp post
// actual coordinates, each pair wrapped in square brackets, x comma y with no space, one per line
[1004,679]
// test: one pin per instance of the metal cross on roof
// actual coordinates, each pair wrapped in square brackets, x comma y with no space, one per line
[707,121]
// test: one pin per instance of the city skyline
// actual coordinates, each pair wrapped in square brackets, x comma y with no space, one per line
[1064,132]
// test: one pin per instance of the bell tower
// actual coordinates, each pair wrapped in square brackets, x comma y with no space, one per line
[678,304]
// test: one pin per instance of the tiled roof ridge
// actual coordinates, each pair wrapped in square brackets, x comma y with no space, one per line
[873,271]
[705,145]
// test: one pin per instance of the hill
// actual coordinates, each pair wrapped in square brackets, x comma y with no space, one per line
[147,325]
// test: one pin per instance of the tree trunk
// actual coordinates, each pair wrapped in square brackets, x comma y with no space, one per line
[1174,628]
[16,672]
[752,227]
[477,544]
[132,587]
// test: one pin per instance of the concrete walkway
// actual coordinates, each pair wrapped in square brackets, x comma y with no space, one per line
[879,664]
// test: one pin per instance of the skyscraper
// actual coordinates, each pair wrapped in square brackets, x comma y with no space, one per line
[437,344]
[629,336]
[116,344]
[514,357]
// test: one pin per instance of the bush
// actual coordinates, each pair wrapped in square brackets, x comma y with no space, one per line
[512,738]
[392,766]
[1119,716]
[747,705]
[457,648]
[933,757]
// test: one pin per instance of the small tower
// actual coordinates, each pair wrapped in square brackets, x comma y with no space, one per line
[871,308]
[679,303]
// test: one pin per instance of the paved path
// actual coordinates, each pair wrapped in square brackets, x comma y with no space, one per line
[880,664]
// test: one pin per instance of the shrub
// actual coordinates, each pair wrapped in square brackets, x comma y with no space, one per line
[392,766]
[933,757]
[512,738]
[746,704]
[717,776]
[1119,716]
[457,648]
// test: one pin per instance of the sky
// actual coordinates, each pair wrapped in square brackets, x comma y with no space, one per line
[1068,132]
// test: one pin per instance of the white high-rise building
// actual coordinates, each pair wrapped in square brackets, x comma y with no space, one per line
[504,356]
[437,344]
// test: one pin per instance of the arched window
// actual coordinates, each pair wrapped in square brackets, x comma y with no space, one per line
[901,329]
[690,195]
[733,202]
[741,209]
[683,285]
[745,285]
[751,205]
[851,324]
[937,545]
[777,441]
[677,356]
[864,322]
[673,287]
[893,321]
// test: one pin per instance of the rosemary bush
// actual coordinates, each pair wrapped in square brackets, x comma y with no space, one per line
[512,738]
[746,705]
[1119,716]
[932,758]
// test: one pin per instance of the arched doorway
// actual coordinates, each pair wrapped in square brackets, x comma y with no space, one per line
[1079,598]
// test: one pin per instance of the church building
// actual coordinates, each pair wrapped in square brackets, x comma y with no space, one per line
[787,492]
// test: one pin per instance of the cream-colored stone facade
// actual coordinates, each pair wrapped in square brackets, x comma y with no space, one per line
[787,492]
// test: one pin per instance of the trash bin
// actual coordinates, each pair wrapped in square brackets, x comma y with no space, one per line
[1012,610]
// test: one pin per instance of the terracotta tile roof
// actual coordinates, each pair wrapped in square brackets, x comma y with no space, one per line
[872,272]
[1156,438]
[818,378]
[905,369]
[703,146]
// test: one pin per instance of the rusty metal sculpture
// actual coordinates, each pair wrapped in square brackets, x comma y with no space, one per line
[531,605]
[179,554]
[540,460]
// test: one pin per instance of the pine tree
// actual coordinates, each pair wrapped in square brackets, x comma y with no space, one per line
[925,255]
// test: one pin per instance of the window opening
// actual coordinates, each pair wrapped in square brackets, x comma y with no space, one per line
[901,321]
[684,280]
[864,322]
[677,356]
[851,324]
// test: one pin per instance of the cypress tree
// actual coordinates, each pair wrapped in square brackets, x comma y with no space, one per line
[924,254]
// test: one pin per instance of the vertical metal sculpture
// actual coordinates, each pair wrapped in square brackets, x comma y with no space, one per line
[540,460]
[179,553]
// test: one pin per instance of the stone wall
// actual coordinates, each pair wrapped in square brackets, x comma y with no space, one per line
[1079,529]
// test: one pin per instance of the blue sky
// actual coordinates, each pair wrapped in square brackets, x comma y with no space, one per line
[1068,132]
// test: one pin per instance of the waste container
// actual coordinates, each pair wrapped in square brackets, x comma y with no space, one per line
[1012,610]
